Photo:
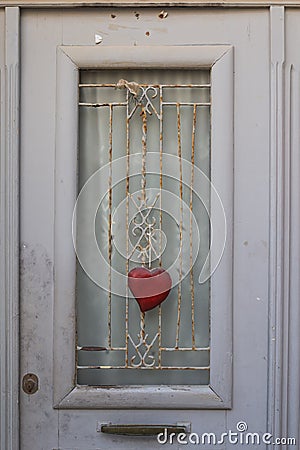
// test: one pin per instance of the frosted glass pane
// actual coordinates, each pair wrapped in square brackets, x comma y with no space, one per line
[112,332]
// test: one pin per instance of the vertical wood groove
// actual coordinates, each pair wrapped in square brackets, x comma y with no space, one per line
[282,300]
[276,214]
[293,396]
[9,236]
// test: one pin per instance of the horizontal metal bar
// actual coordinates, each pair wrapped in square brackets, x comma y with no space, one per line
[101,85]
[141,430]
[92,85]
[92,349]
[185,349]
[165,349]
[100,349]
[197,86]
[98,105]
[185,104]
[144,367]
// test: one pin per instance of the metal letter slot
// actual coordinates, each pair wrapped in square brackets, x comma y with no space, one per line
[141,430]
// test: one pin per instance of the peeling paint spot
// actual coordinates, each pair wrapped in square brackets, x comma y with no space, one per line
[137,15]
[113,16]
[163,15]
[98,39]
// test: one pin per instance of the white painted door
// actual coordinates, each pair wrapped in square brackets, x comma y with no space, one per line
[225,53]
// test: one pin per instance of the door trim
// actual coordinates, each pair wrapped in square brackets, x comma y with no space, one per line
[69,60]
[150,3]
[9,232]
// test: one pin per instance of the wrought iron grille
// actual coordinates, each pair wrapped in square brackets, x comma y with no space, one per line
[140,117]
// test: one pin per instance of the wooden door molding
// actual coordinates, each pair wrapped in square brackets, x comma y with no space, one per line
[150,3]
[9,232]
[69,60]
[284,364]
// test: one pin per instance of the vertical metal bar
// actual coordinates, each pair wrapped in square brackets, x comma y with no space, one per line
[180,224]
[143,333]
[191,225]
[160,211]
[143,183]
[160,167]
[144,152]
[109,222]
[127,225]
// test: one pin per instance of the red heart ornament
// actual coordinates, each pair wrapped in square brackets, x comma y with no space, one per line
[150,287]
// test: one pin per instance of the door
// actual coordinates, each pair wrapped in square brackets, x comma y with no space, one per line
[151,128]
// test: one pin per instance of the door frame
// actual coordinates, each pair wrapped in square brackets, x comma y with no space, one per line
[70,59]
[283,198]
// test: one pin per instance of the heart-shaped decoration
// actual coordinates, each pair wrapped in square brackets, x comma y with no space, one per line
[150,287]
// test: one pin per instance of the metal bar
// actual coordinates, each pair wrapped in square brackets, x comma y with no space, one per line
[186,86]
[127,226]
[180,224]
[92,85]
[99,105]
[114,85]
[110,221]
[160,211]
[165,349]
[191,225]
[145,367]
[143,184]
[144,152]
[141,430]
[99,349]
[186,103]
[185,349]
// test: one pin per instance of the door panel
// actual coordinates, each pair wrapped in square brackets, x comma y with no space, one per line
[247,31]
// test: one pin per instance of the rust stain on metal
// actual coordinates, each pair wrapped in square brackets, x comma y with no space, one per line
[92,349]
[99,105]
